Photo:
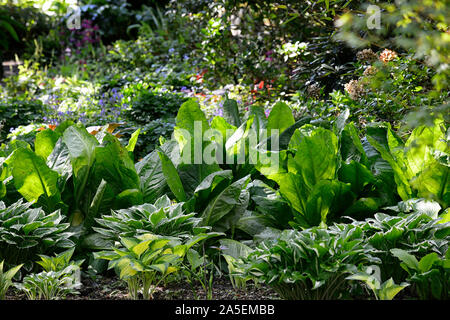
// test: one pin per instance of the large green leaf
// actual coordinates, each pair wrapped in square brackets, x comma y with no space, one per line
[45,142]
[33,178]
[224,203]
[213,180]
[260,121]
[419,165]
[356,174]
[428,174]
[408,259]
[188,115]
[293,189]
[351,147]
[81,146]
[434,182]
[286,135]
[221,125]
[389,289]
[192,175]
[152,181]
[231,112]
[234,219]
[363,208]
[421,145]
[427,262]
[238,144]
[235,248]
[63,126]
[328,197]
[316,158]
[270,205]
[191,125]
[128,198]
[113,164]
[280,118]
[272,163]
[172,177]
[211,184]
[403,187]
[252,223]
[59,160]
[382,171]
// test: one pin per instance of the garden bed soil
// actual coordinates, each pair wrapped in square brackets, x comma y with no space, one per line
[110,288]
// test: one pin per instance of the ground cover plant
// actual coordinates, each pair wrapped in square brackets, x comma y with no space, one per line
[224,150]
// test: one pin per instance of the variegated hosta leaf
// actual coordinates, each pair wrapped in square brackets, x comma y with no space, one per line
[163,217]
[31,229]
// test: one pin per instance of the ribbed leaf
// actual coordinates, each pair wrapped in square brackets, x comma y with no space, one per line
[33,178]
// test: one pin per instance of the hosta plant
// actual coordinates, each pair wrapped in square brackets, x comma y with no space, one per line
[198,268]
[26,232]
[60,262]
[60,277]
[430,275]
[309,264]
[49,285]
[371,276]
[418,233]
[234,251]
[163,218]
[6,279]
[143,262]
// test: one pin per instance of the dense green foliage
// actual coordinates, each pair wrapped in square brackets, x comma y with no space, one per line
[309,264]
[26,232]
[59,278]
[321,168]
[6,279]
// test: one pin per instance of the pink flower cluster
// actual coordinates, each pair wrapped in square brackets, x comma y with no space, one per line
[88,34]
[269,55]
[81,38]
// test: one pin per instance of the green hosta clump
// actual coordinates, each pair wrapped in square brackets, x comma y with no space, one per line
[48,285]
[59,262]
[430,276]
[371,276]
[198,269]
[163,218]
[234,252]
[143,262]
[26,232]
[6,279]
[418,233]
[60,277]
[309,264]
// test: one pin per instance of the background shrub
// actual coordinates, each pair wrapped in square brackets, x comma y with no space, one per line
[14,113]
